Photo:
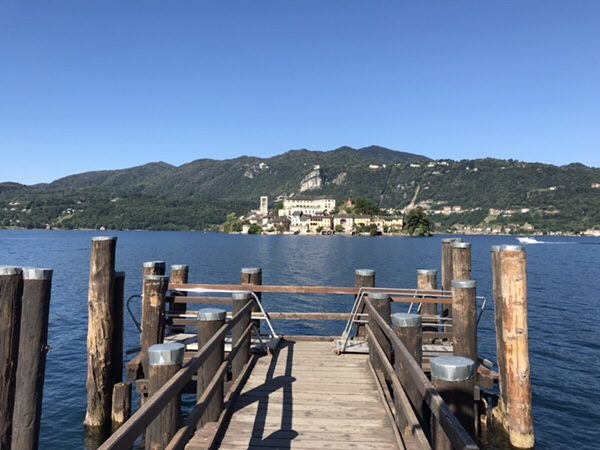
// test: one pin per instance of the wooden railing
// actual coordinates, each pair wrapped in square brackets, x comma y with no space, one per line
[419,409]
[125,436]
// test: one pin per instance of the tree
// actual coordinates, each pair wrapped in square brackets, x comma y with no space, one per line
[232,224]
[363,206]
[319,229]
[416,223]
[339,228]
[254,229]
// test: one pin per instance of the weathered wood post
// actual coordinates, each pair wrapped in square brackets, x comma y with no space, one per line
[427,280]
[210,320]
[153,314]
[513,291]
[408,328]
[11,292]
[100,335]
[121,405]
[179,275]
[164,360]
[31,370]
[253,275]
[363,278]
[454,379]
[464,324]
[461,261]
[119,327]
[240,299]
[153,268]
[447,275]
[500,349]
[382,303]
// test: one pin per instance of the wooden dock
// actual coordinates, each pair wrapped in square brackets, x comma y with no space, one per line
[304,396]
[391,380]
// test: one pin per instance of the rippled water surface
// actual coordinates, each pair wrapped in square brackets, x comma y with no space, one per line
[564,306]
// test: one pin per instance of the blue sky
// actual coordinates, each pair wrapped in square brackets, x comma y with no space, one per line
[99,85]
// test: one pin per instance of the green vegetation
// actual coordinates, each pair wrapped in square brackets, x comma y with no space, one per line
[233,224]
[416,223]
[255,229]
[487,194]
[362,206]
[339,228]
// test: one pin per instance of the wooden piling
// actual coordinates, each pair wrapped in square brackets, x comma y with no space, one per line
[382,303]
[464,322]
[119,327]
[454,379]
[179,275]
[500,348]
[447,275]
[100,335]
[31,369]
[461,261]
[240,299]
[408,328]
[11,292]
[513,291]
[363,278]
[121,405]
[253,275]
[153,268]
[427,280]
[210,320]
[164,360]
[153,314]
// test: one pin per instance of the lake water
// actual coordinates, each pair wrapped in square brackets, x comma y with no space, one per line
[564,306]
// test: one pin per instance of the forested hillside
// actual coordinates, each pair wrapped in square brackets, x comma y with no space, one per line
[484,193]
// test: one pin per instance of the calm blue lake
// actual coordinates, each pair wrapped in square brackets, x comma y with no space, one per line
[564,302]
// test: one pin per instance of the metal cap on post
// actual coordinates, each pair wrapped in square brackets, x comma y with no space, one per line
[211,314]
[464,284]
[242,295]
[379,295]
[512,248]
[461,244]
[427,272]
[406,320]
[10,270]
[152,264]
[166,354]
[454,379]
[179,267]
[365,272]
[251,270]
[452,368]
[451,240]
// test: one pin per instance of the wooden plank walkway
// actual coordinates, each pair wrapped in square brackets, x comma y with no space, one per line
[305,396]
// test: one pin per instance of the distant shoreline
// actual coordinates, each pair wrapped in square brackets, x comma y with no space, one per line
[546,234]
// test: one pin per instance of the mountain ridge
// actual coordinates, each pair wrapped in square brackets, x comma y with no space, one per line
[484,193]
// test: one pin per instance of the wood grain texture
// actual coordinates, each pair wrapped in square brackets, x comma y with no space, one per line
[305,396]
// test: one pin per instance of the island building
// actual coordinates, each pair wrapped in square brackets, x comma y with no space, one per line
[307,206]
[264,205]
[315,216]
